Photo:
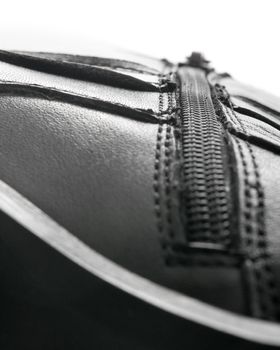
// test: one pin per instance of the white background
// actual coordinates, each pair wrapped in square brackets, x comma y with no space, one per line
[240,36]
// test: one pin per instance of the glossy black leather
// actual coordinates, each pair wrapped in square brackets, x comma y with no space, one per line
[91,168]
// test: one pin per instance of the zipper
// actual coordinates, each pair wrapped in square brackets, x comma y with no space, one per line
[206,189]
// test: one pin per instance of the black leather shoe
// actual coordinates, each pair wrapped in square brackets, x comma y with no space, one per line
[140,205]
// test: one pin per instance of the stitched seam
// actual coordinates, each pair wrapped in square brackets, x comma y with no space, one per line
[231,159]
[175,256]
[249,239]
[163,192]
[163,184]
[262,278]
[157,186]
[267,278]
[167,170]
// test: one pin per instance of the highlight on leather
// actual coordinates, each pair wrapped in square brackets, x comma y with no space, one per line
[81,69]
[136,200]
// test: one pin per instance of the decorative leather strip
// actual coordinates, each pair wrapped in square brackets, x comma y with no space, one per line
[258,274]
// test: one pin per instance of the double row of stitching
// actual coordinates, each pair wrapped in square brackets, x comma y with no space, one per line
[162,183]
[169,154]
[258,272]
[157,177]
[264,132]
[165,177]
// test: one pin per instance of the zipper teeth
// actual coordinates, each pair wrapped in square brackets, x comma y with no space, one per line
[206,202]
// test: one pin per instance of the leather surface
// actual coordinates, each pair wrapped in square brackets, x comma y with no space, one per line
[100,187]
[252,118]
[133,99]
[93,172]
[114,181]
[248,93]
[269,172]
